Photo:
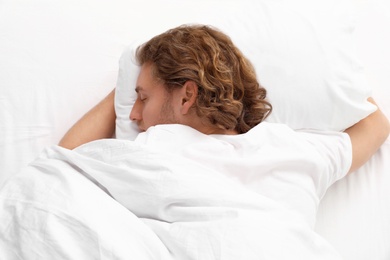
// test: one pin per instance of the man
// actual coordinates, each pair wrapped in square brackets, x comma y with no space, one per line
[195,76]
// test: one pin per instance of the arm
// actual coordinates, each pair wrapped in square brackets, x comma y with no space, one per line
[367,136]
[97,123]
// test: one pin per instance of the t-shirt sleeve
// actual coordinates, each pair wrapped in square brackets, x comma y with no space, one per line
[335,152]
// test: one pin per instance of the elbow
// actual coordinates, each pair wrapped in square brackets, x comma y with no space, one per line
[386,130]
[383,123]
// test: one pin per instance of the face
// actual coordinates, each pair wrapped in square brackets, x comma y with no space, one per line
[154,105]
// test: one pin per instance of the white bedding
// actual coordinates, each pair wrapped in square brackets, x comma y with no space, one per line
[59,58]
[357,210]
[183,202]
[68,217]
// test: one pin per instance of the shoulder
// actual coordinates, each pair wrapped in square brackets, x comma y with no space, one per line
[331,150]
[317,139]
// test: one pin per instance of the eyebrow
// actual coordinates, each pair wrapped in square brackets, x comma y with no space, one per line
[138,88]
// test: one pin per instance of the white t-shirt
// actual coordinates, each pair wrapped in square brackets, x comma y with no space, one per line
[291,167]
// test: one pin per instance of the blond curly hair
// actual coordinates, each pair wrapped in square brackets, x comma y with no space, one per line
[229,95]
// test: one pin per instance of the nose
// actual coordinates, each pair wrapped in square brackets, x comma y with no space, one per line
[136,111]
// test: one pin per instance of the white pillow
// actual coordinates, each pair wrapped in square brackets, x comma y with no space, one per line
[303,55]
[125,94]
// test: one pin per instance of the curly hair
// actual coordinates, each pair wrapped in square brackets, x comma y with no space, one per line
[229,95]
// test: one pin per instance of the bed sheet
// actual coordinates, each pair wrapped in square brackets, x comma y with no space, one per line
[59,58]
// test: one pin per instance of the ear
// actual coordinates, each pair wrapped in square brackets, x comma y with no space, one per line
[189,94]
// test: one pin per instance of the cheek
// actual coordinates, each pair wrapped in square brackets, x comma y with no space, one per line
[150,113]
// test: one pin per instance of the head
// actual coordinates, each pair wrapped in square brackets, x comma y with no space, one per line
[202,79]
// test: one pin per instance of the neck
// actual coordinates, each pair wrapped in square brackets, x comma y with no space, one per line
[206,127]
[222,132]
[212,130]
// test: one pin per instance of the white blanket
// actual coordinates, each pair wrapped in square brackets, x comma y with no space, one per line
[50,211]
[61,207]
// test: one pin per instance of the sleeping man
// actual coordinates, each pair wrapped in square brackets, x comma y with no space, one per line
[206,175]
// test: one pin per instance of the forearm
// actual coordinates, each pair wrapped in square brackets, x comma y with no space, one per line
[96,124]
[367,136]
